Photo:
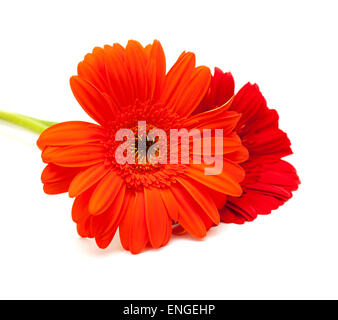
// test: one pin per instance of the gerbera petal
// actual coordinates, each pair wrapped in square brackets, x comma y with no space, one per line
[70,133]
[265,189]
[270,142]
[119,78]
[193,92]
[105,193]
[189,216]
[87,178]
[201,196]
[93,102]
[210,115]
[106,221]
[238,156]
[221,89]
[156,216]
[156,70]
[104,242]
[136,61]
[219,198]
[168,232]
[53,173]
[227,122]
[260,134]
[74,156]
[170,203]
[57,179]
[229,215]
[231,144]
[106,232]
[80,210]
[57,187]
[248,101]
[83,228]
[93,69]
[138,233]
[177,77]
[127,212]
[226,182]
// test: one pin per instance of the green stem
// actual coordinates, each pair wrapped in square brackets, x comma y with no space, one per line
[26,122]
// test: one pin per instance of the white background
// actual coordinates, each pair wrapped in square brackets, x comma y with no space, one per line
[288,47]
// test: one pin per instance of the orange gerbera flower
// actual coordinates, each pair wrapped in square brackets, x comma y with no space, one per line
[118,87]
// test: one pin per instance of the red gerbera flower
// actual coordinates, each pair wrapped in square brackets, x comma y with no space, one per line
[269,181]
[118,87]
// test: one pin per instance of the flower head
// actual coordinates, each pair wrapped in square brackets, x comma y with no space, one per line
[120,88]
[269,181]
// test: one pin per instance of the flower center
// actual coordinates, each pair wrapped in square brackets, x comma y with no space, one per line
[143,173]
[142,144]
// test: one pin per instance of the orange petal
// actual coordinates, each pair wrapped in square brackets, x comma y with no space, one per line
[189,214]
[238,156]
[127,211]
[177,78]
[104,242]
[211,115]
[116,212]
[226,182]
[138,233]
[87,178]
[170,203]
[227,122]
[75,156]
[107,220]
[120,81]
[84,228]
[105,193]
[200,194]
[53,173]
[193,92]
[156,70]
[156,216]
[96,105]
[168,232]
[57,187]
[136,61]
[70,133]
[80,210]
[93,69]
[220,199]
[231,144]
